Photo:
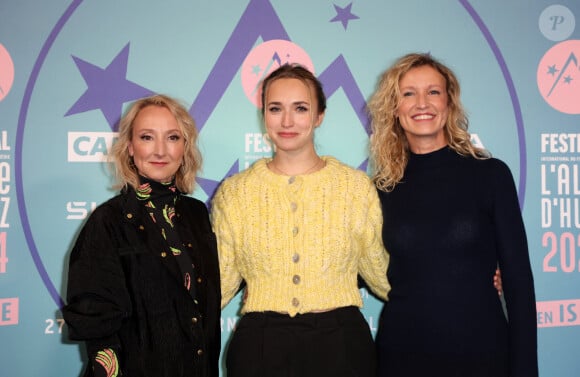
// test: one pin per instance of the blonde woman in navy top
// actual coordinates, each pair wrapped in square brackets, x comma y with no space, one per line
[451,215]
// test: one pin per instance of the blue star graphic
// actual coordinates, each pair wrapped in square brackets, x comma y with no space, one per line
[344,15]
[552,70]
[107,89]
[568,79]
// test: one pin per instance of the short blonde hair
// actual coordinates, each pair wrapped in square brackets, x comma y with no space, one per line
[389,147]
[125,171]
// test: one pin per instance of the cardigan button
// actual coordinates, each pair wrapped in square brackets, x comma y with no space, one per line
[199,352]
[194,320]
[296,279]
[129,215]
[163,254]
[199,280]
[295,257]
[141,227]
[295,302]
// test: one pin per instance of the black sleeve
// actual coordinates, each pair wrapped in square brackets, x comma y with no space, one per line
[516,272]
[97,296]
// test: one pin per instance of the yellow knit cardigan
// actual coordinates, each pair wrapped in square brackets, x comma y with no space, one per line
[299,242]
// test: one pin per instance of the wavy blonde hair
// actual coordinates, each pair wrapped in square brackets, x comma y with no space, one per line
[125,171]
[389,148]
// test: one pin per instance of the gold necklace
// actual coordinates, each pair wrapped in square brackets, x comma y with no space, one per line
[312,168]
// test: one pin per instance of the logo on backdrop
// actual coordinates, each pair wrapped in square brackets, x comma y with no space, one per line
[558,73]
[9,309]
[6,72]
[559,77]
[264,59]
[89,146]
[557,23]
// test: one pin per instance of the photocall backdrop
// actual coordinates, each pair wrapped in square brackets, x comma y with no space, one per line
[68,69]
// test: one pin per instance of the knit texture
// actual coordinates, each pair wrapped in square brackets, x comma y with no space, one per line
[447,225]
[299,242]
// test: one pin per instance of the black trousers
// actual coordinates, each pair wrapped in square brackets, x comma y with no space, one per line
[337,343]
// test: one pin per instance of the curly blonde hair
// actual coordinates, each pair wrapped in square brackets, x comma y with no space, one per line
[125,171]
[389,147]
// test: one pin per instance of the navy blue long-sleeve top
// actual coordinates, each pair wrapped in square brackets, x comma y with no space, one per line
[447,226]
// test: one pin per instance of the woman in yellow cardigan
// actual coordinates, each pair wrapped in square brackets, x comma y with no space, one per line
[299,229]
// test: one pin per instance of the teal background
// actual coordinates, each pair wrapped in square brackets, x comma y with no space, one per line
[173,47]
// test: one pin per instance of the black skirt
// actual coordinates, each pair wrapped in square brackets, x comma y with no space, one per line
[337,343]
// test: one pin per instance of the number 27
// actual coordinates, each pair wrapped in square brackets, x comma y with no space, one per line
[51,324]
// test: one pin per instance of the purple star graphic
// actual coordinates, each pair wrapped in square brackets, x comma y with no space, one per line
[108,89]
[344,15]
